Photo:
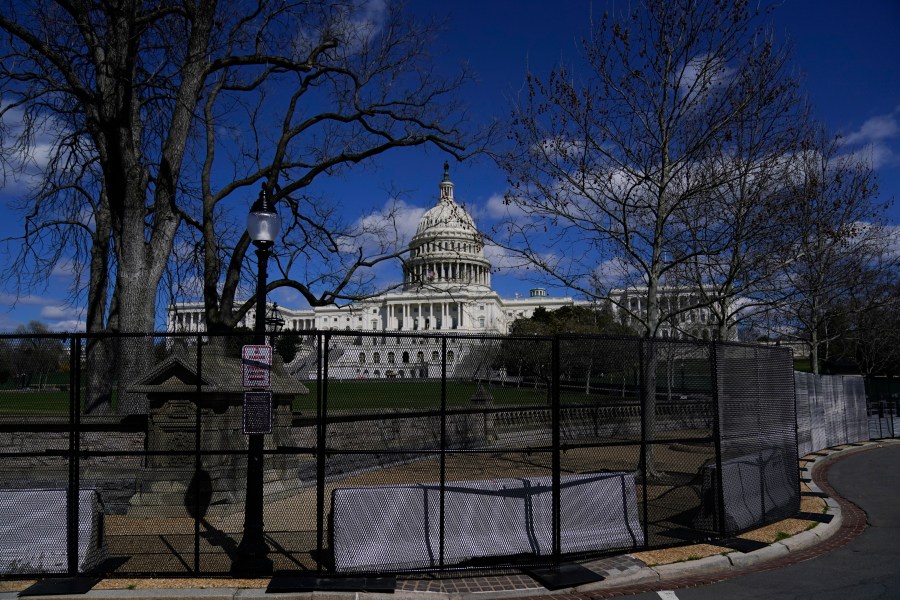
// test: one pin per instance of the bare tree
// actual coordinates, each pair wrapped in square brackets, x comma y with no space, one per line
[615,159]
[842,249]
[156,113]
[741,240]
[619,158]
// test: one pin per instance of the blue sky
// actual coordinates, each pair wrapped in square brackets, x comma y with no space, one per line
[847,52]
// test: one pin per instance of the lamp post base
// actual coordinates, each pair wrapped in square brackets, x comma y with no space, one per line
[251,564]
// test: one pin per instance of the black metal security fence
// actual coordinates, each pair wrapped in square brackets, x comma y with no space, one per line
[388,453]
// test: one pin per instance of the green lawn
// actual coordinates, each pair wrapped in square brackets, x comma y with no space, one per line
[40,402]
[27,402]
[346,395]
[803,364]
[426,395]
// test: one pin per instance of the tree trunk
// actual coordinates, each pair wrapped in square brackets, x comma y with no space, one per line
[814,350]
[100,358]
[135,353]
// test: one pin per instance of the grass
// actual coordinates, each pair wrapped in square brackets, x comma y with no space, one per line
[28,402]
[40,402]
[803,365]
[426,394]
[348,395]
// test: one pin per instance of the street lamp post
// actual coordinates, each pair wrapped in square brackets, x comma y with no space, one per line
[252,557]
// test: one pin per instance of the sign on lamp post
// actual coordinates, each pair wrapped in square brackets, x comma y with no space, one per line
[256,366]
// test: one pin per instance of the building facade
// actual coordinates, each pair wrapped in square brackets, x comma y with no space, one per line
[446,287]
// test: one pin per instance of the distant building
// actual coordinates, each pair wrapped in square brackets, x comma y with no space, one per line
[690,323]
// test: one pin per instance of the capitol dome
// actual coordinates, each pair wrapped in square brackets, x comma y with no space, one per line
[447,251]
[447,215]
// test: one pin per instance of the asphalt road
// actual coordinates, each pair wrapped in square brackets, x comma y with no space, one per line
[867,568]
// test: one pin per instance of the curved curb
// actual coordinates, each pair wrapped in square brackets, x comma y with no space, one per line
[802,546]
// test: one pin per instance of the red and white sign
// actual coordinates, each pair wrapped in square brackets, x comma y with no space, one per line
[256,363]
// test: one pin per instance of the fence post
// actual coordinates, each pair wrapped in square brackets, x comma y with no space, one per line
[197,459]
[443,460]
[322,341]
[557,467]
[717,436]
[642,400]
[74,455]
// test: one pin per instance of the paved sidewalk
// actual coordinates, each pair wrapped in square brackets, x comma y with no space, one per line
[623,574]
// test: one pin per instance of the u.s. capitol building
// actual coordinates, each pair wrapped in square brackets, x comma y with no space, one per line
[446,289]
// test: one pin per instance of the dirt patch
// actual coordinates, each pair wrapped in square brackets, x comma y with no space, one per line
[668,556]
[180,584]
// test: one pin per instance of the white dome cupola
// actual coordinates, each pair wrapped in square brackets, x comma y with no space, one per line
[447,251]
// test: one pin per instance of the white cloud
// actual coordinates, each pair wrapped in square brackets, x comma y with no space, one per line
[701,74]
[60,311]
[67,325]
[28,300]
[874,140]
[876,129]
[876,155]
[27,162]
[64,267]
[389,228]
[354,24]
[497,207]
[501,259]
[889,235]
